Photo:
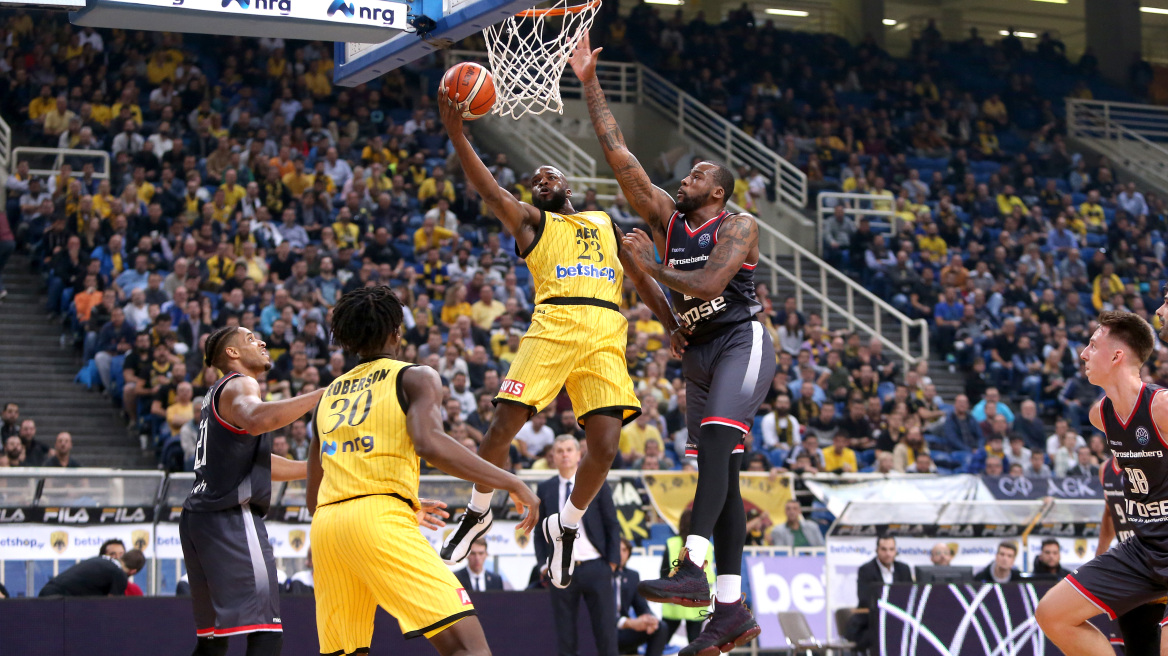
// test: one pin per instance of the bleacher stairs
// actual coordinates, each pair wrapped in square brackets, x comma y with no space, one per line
[37,373]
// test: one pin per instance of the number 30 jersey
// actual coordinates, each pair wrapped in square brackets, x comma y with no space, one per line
[232,466]
[1140,450]
[575,256]
[365,448]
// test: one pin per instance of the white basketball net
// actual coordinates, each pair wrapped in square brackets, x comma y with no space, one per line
[528,53]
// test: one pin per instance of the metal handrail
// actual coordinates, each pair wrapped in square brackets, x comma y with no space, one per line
[1117,126]
[854,205]
[540,140]
[5,158]
[100,172]
[770,245]
[630,82]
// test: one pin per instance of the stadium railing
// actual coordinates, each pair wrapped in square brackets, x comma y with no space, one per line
[5,158]
[1133,135]
[45,162]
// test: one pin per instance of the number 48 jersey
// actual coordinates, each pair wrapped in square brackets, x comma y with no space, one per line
[365,447]
[1139,449]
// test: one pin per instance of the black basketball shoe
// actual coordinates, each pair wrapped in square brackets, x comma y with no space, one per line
[471,526]
[686,585]
[731,625]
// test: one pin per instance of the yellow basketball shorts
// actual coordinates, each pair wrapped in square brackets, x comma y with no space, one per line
[368,552]
[581,347]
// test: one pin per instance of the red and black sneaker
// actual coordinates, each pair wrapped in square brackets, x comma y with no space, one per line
[686,585]
[731,625]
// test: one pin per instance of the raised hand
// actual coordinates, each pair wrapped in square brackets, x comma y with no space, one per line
[584,58]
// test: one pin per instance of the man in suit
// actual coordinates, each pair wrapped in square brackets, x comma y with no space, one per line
[598,551]
[475,577]
[873,575]
[643,627]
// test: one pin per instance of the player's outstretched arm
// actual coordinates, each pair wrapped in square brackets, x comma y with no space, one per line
[284,469]
[517,217]
[651,294]
[651,202]
[423,391]
[737,237]
[242,406]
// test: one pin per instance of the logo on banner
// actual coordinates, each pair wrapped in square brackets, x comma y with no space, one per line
[346,9]
[1081,548]
[66,515]
[140,538]
[122,515]
[296,539]
[8,515]
[521,538]
[1142,436]
[59,540]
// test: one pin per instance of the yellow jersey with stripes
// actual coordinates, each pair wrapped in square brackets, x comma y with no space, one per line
[575,257]
[365,447]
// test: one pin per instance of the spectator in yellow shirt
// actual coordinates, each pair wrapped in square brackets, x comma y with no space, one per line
[1008,200]
[1105,285]
[436,186]
[650,326]
[160,67]
[220,210]
[318,81]
[455,305]
[297,181]
[634,436]
[100,111]
[56,120]
[127,101]
[41,104]
[484,311]
[233,192]
[348,234]
[221,265]
[375,152]
[1092,212]
[318,175]
[933,245]
[879,190]
[278,65]
[838,457]
[995,110]
[146,190]
[103,200]
[430,235]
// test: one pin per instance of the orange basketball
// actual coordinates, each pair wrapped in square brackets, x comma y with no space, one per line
[468,82]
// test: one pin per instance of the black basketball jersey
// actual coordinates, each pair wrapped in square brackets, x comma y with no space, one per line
[1113,485]
[689,249]
[232,467]
[1139,449]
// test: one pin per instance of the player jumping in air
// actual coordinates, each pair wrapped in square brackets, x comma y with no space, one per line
[708,259]
[577,340]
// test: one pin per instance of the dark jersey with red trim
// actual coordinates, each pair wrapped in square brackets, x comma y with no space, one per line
[1140,450]
[689,249]
[1112,478]
[232,466]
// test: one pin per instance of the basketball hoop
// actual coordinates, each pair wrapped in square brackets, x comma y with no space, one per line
[528,53]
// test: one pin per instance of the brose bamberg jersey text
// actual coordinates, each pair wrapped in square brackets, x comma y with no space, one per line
[1113,485]
[1139,449]
[575,256]
[232,466]
[365,447]
[689,249]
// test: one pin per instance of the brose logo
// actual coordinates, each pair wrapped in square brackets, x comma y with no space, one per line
[586,271]
[703,311]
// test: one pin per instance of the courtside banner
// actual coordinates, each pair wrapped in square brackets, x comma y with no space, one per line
[81,541]
[845,555]
[673,492]
[787,583]
[288,540]
[502,540]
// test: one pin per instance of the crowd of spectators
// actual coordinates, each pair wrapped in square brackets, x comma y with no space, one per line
[244,189]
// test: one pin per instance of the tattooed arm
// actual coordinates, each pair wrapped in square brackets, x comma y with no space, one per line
[652,203]
[737,239]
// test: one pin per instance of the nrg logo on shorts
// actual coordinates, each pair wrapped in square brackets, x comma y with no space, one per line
[364,444]
[585,271]
[512,387]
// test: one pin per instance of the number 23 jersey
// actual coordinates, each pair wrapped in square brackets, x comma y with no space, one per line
[575,256]
[365,447]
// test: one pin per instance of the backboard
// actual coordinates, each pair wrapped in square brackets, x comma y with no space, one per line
[452,20]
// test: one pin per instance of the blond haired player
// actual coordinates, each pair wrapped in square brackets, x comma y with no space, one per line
[370,428]
[577,339]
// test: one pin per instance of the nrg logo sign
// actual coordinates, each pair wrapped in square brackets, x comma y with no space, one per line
[350,9]
[283,6]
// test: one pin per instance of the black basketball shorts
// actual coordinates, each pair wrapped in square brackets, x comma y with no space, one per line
[1129,575]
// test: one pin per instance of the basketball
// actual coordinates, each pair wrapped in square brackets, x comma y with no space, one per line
[471,83]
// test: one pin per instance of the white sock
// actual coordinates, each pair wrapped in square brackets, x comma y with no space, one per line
[729,588]
[698,547]
[570,516]
[480,501]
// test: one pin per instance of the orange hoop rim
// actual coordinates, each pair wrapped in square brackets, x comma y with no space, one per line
[558,11]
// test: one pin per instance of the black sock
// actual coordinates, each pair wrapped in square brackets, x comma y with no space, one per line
[730,528]
[715,446]
[210,647]
[265,643]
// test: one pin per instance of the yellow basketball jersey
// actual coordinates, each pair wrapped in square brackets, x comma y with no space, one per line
[575,256]
[365,447]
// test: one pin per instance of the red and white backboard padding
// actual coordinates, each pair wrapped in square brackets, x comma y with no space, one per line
[366,21]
